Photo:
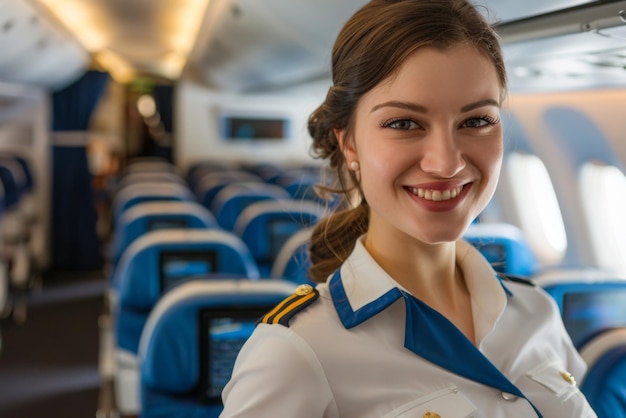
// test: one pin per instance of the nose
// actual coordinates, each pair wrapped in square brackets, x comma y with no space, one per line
[441,155]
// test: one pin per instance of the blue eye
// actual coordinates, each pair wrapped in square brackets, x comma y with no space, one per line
[480,122]
[401,124]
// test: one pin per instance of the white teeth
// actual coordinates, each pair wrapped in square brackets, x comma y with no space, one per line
[436,195]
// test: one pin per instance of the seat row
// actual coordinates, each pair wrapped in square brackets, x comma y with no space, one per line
[163,238]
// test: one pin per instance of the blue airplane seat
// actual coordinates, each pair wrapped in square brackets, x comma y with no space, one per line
[504,246]
[25,168]
[592,303]
[150,215]
[18,212]
[265,226]
[265,170]
[590,300]
[145,192]
[190,341]
[210,184]
[28,205]
[197,170]
[149,165]
[604,385]
[292,262]
[234,198]
[13,182]
[149,177]
[151,265]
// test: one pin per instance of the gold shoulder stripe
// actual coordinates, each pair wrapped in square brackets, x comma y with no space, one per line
[285,310]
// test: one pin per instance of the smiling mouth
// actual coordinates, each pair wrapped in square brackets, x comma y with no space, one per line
[436,195]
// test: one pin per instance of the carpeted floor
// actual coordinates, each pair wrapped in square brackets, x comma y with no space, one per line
[49,364]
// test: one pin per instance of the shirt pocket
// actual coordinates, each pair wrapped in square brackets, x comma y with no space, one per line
[552,377]
[445,403]
[562,384]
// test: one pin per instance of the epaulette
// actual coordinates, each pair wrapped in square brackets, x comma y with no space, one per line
[517,279]
[303,296]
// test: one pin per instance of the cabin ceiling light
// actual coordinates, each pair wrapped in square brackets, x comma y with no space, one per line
[119,69]
[175,24]
[80,20]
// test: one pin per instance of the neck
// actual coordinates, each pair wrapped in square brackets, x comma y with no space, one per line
[431,274]
[428,272]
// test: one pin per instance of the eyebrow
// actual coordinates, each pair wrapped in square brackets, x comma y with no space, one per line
[423,109]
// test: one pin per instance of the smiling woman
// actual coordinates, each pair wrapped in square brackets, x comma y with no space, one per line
[411,125]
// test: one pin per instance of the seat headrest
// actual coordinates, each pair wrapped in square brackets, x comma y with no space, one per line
[504,246]
[143,258]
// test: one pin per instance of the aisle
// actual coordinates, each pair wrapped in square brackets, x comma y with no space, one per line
[49,365]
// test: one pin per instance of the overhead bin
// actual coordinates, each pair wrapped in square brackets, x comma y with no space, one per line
[578,47]
[34,51]
[252,45]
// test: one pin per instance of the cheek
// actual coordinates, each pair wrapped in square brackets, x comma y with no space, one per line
[489,162]
[379,163]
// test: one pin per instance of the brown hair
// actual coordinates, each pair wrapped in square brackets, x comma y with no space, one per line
[370,48]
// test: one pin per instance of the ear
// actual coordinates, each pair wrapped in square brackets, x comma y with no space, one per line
[346,145]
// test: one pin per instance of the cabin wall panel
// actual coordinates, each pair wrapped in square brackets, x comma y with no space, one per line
[197,127]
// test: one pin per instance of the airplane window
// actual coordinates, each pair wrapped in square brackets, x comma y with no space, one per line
[603,189]
[539,211]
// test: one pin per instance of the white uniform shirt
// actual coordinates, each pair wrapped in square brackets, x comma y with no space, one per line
[344,355]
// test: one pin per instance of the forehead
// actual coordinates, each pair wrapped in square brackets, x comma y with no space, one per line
[457,74]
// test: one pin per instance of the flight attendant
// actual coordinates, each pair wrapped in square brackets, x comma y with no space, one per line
[409,320]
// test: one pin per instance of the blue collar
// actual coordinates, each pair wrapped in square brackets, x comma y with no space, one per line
[429,335]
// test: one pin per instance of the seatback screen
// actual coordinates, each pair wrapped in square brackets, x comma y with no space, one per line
[177,265]
[587,313]
[222,334]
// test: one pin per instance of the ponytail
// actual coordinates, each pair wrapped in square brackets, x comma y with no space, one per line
[333,240]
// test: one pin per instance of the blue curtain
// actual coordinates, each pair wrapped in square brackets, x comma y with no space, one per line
[163,96]
[75,242]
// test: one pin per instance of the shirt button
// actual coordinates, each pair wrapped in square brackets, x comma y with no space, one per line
[509,397]
[568,378]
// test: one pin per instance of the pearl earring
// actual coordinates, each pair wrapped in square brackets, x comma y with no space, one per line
[354,166]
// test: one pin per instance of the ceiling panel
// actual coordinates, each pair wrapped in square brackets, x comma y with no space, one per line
[509,10]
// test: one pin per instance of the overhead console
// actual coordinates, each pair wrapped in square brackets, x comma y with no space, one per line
[34,51]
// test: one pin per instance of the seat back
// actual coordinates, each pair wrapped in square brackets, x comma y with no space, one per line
[149,177]
[210,184]
[148,191]
[604,384]
[593,306]
[292,262]
[265,226]
[158,260]
[234,198]
[504,246]
[590,300]
[191,339]
[151,215]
